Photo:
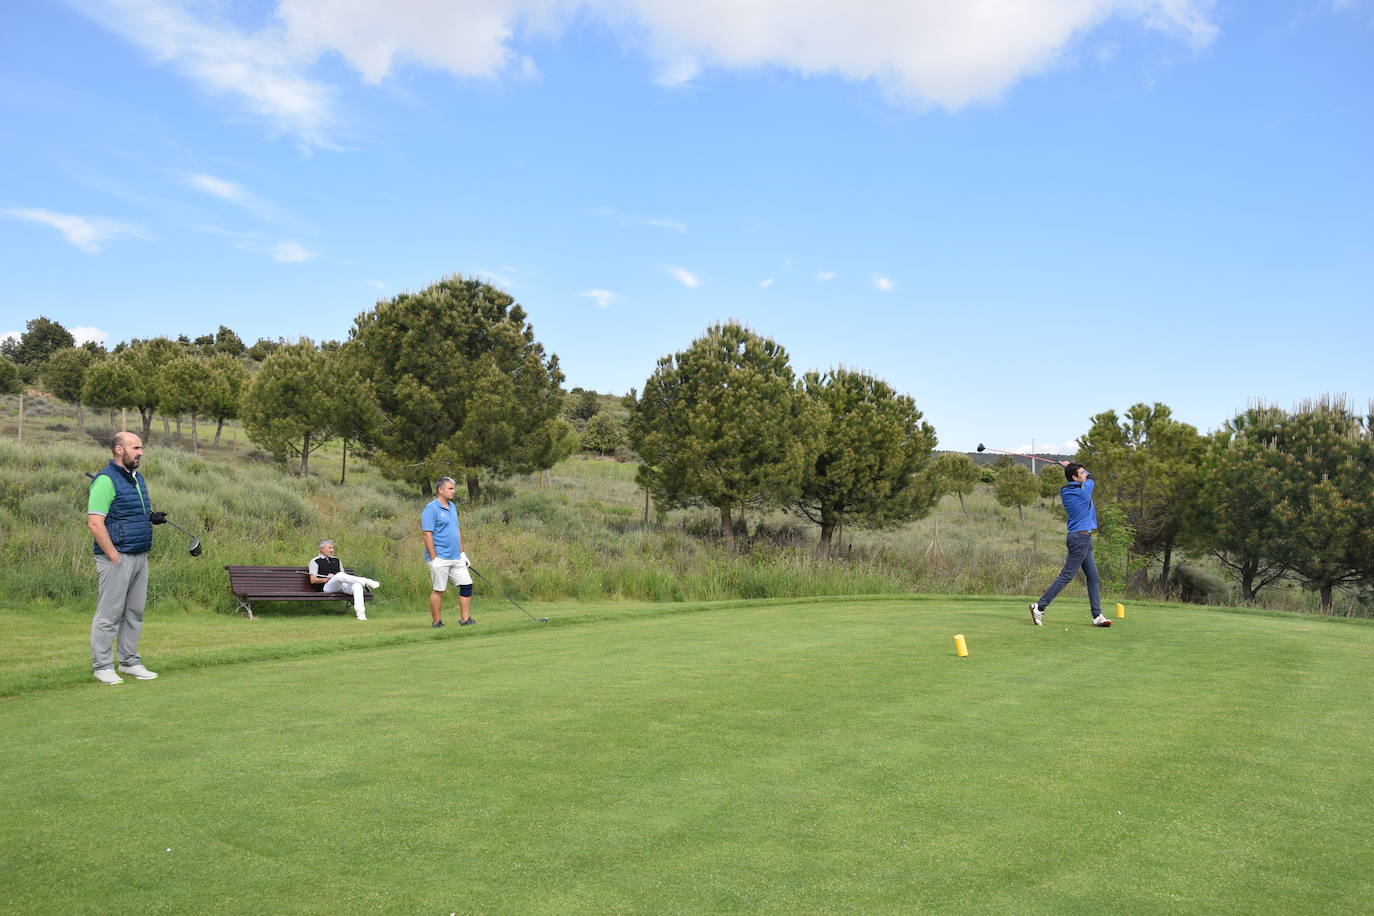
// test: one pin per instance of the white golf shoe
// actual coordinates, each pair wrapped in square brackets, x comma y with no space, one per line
[1100,621]
[138,671]
[107,676]
[1037,615]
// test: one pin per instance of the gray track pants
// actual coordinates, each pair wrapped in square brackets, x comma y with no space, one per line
[119,610]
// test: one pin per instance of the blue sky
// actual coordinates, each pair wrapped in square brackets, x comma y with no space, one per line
[1020,213]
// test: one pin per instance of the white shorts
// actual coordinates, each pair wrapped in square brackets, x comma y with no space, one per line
[442,572]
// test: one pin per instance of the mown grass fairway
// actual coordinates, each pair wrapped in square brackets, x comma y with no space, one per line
[746,757]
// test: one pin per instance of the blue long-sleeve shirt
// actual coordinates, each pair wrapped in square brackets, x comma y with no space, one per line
[1078,505]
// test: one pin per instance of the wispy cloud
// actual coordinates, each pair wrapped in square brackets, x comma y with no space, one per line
[263,70]
[217,187]
[824,275]
[634,222]
[885,284]
[376,284]
[602,297]
[673,224]
[766,282]
[85,232]
[291,253]
[683,276]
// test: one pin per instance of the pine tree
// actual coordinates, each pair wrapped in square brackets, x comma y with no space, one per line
[722,424]
[869,461]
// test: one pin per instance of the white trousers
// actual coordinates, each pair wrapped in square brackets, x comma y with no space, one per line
[351,585]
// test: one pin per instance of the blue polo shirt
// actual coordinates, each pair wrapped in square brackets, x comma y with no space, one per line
[443,524]
[1078,505]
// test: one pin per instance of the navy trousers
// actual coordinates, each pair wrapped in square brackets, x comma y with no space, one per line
[1080,545]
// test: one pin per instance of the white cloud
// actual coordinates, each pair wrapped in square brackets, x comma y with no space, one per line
[264,70]
[89,335]
[11,335]
[684,276]
[376,284]
[766,282]
[824,275]
[673,224]
[290,253]
[602,297]
[924,52]
[885,284]
[217,186]
[234,194]
[86,233]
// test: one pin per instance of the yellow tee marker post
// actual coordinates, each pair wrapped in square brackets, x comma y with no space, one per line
[1121,612]
[960,647]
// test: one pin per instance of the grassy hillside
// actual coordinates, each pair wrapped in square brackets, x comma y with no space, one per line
[577,533]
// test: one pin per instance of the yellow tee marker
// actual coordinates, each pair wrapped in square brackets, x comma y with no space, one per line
[960,647]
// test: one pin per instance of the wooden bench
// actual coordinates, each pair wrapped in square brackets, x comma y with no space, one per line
[279,583]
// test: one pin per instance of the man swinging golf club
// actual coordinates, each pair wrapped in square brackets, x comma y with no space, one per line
[1077,499]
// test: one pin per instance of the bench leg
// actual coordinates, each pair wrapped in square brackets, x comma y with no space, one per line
[244,605]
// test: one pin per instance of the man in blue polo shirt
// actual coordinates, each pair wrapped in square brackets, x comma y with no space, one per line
[119,517]
[444,553]
[1077,498]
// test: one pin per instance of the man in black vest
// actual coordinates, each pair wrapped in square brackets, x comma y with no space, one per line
[326,573]
[119,516]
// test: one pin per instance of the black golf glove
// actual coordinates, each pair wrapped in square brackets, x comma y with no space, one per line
[157,518]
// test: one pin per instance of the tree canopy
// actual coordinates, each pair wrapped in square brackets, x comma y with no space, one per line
[462,383]
[955,472]
[42,338]
[1324,455]
[1148,462]
[868,459]
[1016,486]
[9,376]
[286,408]
[722,424]
[1234,514]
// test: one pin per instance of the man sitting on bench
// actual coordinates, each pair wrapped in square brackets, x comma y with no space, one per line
[327,571]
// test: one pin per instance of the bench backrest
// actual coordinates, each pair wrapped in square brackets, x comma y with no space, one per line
[272,581]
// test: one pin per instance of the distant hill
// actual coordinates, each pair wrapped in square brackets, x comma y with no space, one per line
[985,458]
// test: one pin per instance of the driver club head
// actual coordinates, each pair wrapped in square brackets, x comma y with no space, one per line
[981,446]
[194,549]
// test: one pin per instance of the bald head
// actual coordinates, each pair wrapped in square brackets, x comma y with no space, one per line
[127,449]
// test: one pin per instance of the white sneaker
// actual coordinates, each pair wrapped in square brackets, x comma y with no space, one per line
[1100,621]
[362,616]
[1037,615]
[373,584]
[138,671]
[107,676]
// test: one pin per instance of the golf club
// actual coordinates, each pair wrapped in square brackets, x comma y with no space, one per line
[984,448]
[508,597]
[192,548]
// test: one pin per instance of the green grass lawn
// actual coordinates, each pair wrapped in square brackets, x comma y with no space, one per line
[740,757]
